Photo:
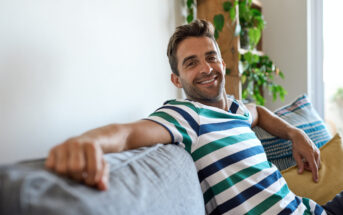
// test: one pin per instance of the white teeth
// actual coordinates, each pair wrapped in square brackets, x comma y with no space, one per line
[208,81]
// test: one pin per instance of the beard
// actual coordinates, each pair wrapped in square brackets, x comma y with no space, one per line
[196,92]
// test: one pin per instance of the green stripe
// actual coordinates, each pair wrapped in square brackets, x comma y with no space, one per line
[270,201]
[214,114]
[188,104]
[186,139]
[234,179]
[306,202]
[218,144]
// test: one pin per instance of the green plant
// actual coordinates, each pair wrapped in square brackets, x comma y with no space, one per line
[258,74]
[190,10]
[252,24]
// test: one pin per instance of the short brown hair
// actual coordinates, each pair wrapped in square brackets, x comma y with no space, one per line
[197,28]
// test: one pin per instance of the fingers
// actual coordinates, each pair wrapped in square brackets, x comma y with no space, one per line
[81,161]
[76,162]
[103,182]
[93,164]
[310,163]
[299,162]
[314,169]
[49,162]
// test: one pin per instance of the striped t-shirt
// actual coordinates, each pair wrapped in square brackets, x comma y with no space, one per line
[233,170]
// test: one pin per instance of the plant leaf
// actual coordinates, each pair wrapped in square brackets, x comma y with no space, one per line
[189,18]
[243,79]
[227,6]
[216,34]
[218,21]
[233,14]
[189,3]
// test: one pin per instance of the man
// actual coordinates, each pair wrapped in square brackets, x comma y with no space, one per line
[233,170]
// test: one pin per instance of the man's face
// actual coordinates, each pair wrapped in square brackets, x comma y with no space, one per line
[201,69]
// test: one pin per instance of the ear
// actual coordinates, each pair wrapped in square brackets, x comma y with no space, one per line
[224,64]
[176,80]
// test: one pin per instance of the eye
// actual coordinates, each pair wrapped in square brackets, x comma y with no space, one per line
[191,63]
[212,58]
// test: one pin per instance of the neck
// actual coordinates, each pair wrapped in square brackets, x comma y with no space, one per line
[220,103]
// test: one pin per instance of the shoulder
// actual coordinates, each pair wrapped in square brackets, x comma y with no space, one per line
[180,104]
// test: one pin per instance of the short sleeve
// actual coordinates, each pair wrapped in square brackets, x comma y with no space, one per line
[181,120]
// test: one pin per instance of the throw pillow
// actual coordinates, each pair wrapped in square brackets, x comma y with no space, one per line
[330,175]
[301,114]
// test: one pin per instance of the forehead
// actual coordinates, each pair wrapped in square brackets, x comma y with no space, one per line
[195,46]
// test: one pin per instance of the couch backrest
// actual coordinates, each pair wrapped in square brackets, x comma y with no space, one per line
[153,180]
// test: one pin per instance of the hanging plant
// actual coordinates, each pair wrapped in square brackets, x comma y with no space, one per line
[190,10]
[252,24]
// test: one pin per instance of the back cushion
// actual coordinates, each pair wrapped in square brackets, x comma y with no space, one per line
[300,114]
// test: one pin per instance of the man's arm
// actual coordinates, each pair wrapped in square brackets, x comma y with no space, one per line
[81,158]
[305,152]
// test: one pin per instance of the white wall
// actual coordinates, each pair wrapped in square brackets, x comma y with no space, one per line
[69,66]
[285,41]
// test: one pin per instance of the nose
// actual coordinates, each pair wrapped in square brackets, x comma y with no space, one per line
[206,68]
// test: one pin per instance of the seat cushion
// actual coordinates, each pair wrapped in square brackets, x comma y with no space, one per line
[330,175]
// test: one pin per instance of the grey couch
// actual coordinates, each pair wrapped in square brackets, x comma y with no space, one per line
[153,180]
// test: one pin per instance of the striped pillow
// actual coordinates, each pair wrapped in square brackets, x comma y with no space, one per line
[301,114]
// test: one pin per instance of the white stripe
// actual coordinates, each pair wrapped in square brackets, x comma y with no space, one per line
[258,198]
[226,151]
[300,210]
[280,205]
[241,186]
[216,135]
[184,123]
[232,169]
[185,108]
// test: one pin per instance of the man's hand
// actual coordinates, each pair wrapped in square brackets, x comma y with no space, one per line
[305,153]
[81,159]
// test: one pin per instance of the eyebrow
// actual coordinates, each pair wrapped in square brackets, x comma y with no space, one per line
[211,53]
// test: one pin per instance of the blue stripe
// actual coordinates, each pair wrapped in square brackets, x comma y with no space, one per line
[304,97]
[318,210]
[310,124]
[278,141]
[194,125]
[318,128]
[246,194]
[301,127]
[291,207]
[295,109]
[234,107]
[228,160]
[207,128]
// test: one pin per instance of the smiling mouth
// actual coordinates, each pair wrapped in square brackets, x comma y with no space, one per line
[208,81]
